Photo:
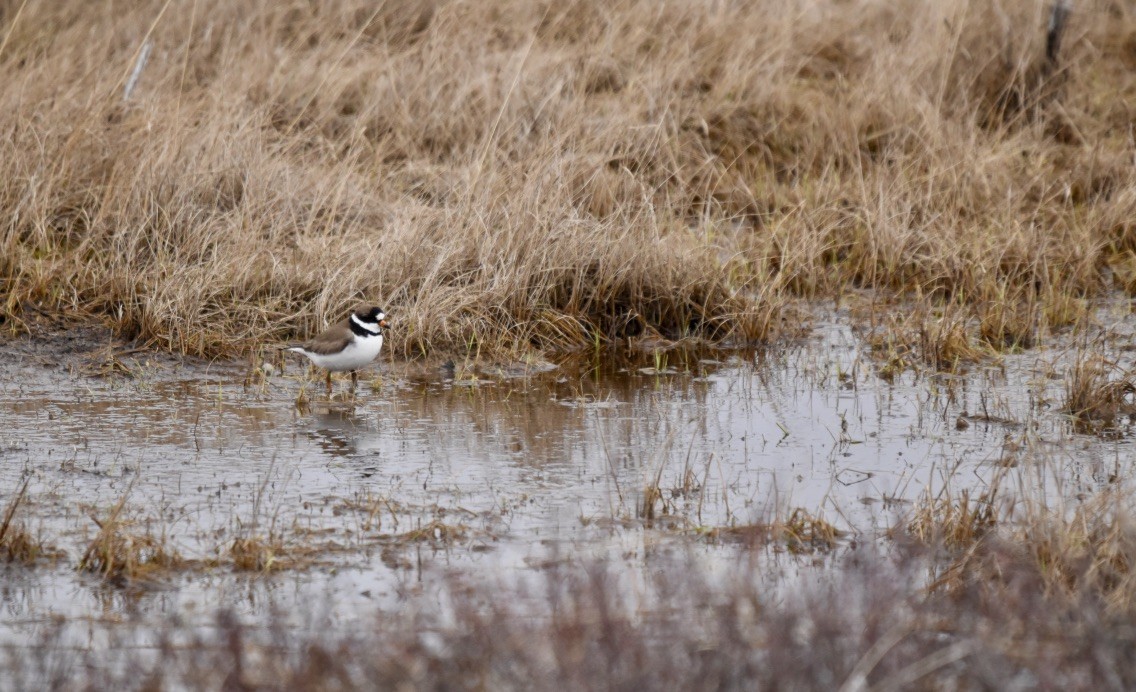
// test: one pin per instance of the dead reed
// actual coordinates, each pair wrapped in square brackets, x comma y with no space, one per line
[1070,555]
[121,553]
[871,624]
[17,543]
[13,539]
[1097,393]
[254,553]
[210,176]
[801,533]
[923,335]
[954,522]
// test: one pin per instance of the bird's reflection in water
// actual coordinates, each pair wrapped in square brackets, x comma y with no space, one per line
[335,429]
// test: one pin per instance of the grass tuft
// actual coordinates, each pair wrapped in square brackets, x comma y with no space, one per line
[257,554]
[121,555]
[925,337]
[17,544]
[802,532]
[1097,393]
[957,523]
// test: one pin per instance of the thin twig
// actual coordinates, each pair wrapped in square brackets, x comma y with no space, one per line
[11,511]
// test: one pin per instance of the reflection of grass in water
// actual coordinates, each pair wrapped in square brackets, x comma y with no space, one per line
[126,550]
[971,590]
[255,549]
[1049,596]
[678,508]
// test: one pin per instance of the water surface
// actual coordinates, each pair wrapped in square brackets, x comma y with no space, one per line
[508,469]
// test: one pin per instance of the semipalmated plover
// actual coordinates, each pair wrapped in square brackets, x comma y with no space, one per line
[347,345]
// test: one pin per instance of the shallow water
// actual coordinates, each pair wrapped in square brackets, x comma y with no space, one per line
[519,467]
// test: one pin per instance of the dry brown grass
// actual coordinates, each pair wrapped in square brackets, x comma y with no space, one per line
[504,176]
[122,552]
[13,539]
[801,532]
[17,543]
[957,523]
[924,336]
[1086,551]
[1097,393]
[254,553]
[1048,599]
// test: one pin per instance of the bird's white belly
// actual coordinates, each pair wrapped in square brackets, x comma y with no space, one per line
[358,353]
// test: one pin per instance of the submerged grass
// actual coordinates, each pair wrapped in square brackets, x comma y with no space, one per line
[504,177]
[17,543]
[1048,600]
[123,554]
[802,532]
[924,336]
[257,554]
[1097,393]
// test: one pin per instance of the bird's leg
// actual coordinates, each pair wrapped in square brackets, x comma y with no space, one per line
[354,380]
[329,384]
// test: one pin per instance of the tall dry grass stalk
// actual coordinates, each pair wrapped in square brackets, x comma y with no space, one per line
[530,174]
[1074,553]
[1097,394]
[1059,611]
[17,543]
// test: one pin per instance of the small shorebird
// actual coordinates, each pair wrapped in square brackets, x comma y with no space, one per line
[347,345]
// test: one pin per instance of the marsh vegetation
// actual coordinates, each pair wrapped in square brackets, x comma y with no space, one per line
[212,176]
[761,343]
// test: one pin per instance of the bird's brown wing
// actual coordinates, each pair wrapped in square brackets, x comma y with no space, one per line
[334,340]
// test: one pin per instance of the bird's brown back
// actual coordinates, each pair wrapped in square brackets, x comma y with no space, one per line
[333,340]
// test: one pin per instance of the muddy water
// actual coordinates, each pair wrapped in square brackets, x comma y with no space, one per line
[504,469]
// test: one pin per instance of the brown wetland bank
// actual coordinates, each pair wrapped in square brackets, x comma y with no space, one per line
[733,345]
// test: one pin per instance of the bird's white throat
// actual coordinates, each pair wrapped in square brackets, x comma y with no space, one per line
[370,328]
